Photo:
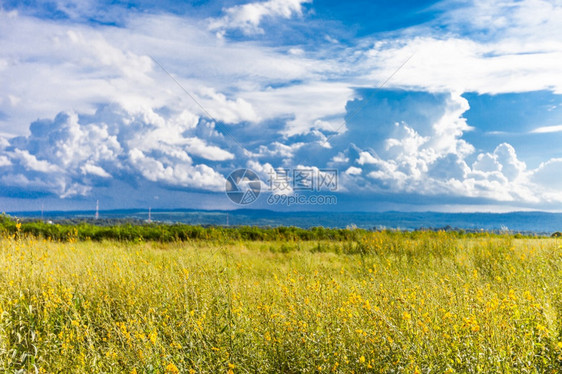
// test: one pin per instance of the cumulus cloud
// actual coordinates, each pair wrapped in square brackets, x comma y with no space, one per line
[31,163]
[248,17]
[400,160]
[94,170]
[404,136]
[176,173]
[72,154]
[449,168]
[352,170]
[548,181]
[114,114]
[4,161]
[271,177]
[501,166]
[234,81]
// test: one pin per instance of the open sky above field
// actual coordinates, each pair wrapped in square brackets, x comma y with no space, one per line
[418,105]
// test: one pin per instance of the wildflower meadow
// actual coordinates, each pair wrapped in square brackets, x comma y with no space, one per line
[382,302]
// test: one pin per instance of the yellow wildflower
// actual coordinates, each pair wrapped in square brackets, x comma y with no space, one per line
[172,369]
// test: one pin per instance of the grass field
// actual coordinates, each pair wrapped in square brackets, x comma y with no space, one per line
[386,303]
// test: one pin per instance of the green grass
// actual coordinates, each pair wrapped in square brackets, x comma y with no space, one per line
[391,303]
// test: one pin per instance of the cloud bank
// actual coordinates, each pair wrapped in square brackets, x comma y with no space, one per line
[85,107]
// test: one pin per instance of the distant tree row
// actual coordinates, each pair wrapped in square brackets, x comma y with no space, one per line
[127,230]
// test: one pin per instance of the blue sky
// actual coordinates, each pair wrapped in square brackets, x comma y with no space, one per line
[419,105]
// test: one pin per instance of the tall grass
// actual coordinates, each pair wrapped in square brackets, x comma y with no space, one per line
[384,303]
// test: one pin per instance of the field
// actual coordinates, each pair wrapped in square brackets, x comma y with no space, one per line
[382,302]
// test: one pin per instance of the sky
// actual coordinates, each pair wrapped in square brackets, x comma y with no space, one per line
[413,105]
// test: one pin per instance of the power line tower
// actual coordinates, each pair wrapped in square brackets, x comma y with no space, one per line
[97,209]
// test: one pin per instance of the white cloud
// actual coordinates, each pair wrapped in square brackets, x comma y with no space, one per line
[30,162]
[94,170]
[5,161]
[340,158]
[193,176]
[367,158]
[229,111]
[512,168]
[278,150]
[352,170]
[86,66]
[458,63]
[399,157]
[548,178]
[199,148]
[547,129]
[73,152]
[503,161]
[33,183]
[154,131]
[248,17]
[449,168]
[499,18]
[487,47]
[309,104]
[267,174]
[435,164]
[486,163]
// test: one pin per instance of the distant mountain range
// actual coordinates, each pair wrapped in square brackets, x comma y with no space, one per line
[525,222]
